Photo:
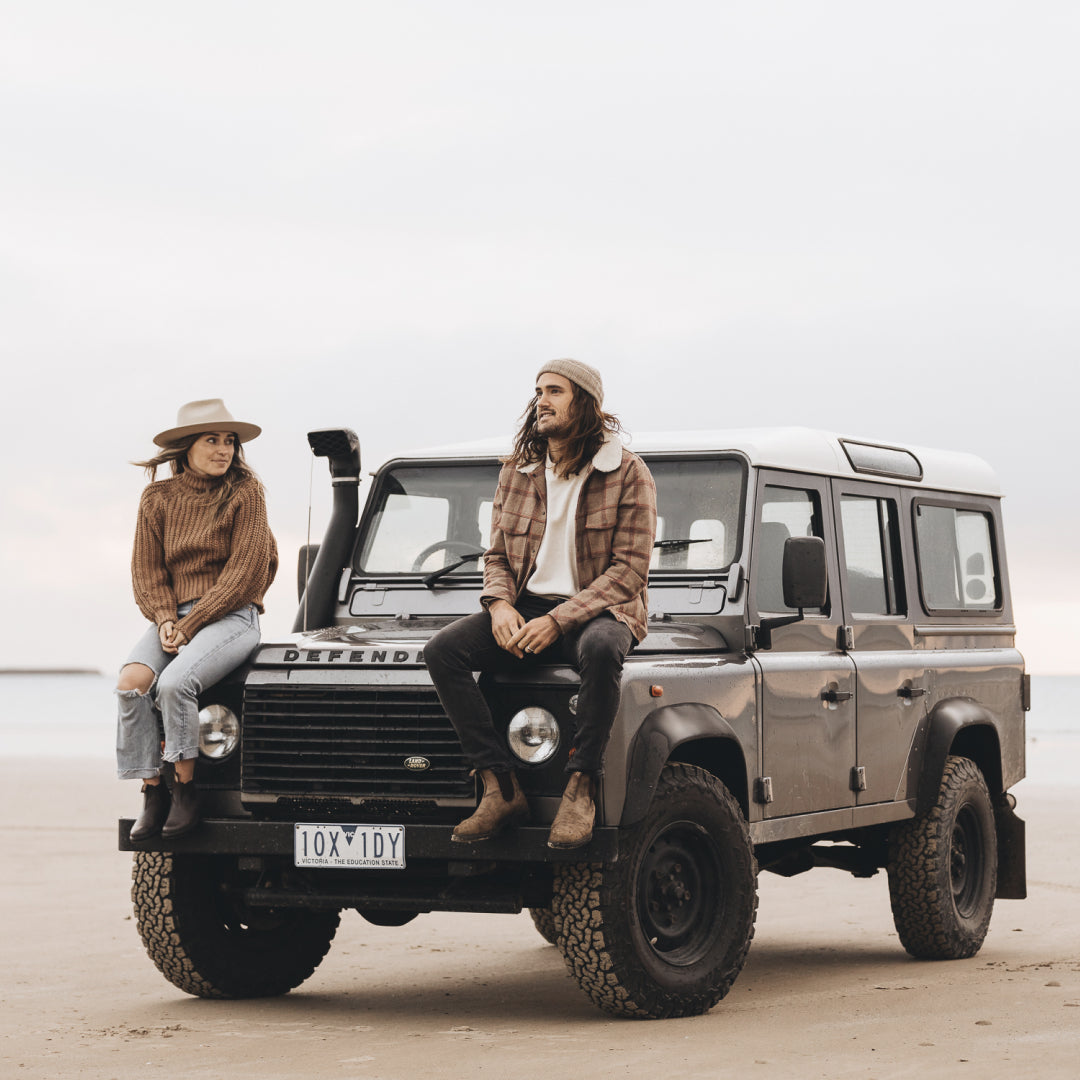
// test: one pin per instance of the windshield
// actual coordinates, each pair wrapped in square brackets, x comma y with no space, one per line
[698,511]
[427,517]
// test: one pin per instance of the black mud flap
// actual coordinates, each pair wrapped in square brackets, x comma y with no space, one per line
[1012,851]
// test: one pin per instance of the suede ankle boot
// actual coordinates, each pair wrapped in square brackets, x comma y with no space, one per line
[503,802]
[573,824]
[184,815]
[154,812]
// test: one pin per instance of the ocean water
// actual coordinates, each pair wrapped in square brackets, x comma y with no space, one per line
[50,716]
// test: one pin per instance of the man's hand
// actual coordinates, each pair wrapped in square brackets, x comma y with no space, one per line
[535,636]
[506,621]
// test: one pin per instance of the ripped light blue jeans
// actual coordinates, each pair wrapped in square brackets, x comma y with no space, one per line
[172,704]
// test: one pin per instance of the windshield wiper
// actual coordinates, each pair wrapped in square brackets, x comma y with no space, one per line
[430,580]
[681,543]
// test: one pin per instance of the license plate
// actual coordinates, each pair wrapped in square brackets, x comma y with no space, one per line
[356,847]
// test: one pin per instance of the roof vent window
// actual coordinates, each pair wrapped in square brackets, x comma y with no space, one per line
[882,460]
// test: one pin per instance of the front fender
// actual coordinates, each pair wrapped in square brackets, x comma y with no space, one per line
[662,731]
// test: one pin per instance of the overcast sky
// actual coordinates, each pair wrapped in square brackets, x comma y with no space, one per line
[386,215]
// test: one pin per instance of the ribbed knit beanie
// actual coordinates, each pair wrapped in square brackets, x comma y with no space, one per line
[588,378]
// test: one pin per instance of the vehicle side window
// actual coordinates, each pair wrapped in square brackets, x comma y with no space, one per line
[784,512]
[957,568]
[873,568]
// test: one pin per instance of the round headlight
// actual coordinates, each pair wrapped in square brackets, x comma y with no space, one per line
[533,735]
[219,732]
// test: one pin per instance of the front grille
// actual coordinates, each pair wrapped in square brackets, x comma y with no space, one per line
[350,741]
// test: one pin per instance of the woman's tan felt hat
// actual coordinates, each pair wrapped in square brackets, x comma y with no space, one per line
[208,415]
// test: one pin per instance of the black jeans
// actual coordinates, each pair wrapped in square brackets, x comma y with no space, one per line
[595,650]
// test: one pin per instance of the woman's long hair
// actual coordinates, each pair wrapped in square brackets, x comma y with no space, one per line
[174,454]
[589,424]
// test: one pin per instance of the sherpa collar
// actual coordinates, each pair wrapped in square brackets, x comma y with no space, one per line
[607,459]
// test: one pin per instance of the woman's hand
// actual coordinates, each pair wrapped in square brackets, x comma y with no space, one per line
[171,638]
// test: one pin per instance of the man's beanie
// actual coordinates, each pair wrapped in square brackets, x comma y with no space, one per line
[588,378]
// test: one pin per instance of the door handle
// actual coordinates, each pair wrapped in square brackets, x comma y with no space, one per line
[834,696]
[910,692]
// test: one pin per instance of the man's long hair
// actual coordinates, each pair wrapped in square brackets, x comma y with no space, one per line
[589,425]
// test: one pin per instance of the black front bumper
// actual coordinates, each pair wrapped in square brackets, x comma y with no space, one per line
[524,844]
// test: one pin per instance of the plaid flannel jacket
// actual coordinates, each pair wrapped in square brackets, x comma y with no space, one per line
[615,526]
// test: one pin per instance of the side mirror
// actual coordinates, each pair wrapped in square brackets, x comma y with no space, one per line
[805,572]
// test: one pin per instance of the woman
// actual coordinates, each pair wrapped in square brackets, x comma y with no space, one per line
[204,556]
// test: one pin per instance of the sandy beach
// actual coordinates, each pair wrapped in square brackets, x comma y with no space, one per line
[827,991]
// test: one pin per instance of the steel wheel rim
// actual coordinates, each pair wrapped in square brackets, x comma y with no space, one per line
[966,861]
[680,894]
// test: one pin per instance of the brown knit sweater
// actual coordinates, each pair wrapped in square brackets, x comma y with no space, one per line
[182,552]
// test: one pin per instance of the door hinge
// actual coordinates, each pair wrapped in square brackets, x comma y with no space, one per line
[763,789]
[845,638]
[858,778]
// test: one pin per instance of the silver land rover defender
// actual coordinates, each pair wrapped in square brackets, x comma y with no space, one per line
[829,679]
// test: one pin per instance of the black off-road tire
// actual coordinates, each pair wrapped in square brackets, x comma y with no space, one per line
[943,869]
[205,941]
[665,931]
[544,920]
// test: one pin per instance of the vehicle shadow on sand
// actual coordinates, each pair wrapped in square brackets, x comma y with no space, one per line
[525,986]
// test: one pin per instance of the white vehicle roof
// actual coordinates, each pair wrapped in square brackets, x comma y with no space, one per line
[794,449]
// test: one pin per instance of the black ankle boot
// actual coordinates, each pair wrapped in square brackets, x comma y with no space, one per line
[154,812]
[184,815]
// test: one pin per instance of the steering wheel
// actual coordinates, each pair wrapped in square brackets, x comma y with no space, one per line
[460,547]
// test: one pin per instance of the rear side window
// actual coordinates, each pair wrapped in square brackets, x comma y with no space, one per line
[873,569]
[957,563]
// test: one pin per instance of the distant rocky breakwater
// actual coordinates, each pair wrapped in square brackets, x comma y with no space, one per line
[50,671]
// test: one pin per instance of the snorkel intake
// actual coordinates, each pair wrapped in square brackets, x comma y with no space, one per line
[342,447]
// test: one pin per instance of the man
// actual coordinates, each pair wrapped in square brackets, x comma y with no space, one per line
[572,533]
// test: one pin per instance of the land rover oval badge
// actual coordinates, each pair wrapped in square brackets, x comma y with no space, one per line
[417,763]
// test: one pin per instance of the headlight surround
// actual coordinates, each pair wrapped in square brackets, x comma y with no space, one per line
[219,732]
[533,735]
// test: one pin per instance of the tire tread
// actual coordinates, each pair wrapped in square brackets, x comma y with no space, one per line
[198,955]
[923,910]
[586,895]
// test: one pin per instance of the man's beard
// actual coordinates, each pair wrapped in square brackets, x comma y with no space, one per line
[555,429]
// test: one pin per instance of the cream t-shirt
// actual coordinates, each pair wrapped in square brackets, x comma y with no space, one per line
[556,561]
